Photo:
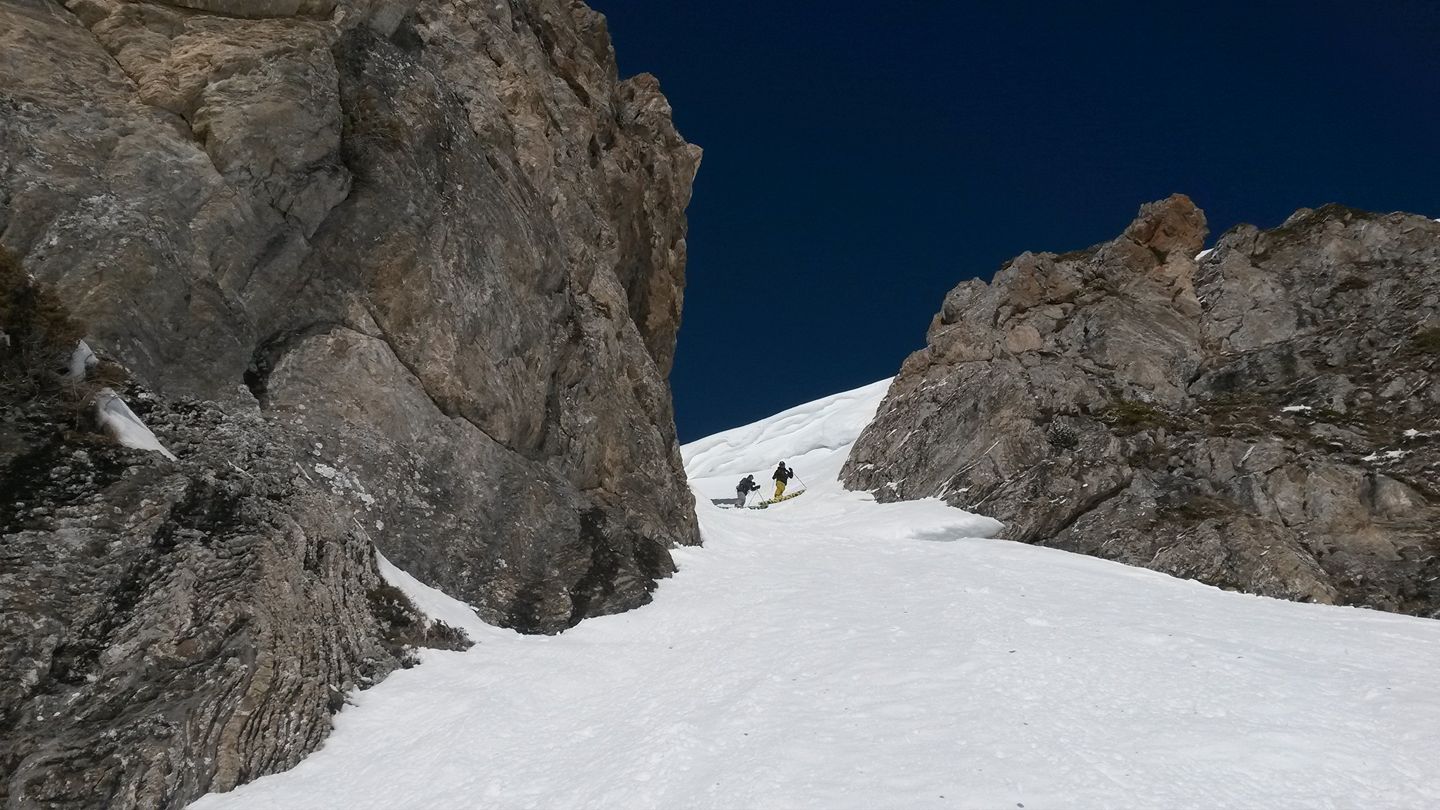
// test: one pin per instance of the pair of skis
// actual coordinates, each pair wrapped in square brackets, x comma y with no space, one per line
[787,496]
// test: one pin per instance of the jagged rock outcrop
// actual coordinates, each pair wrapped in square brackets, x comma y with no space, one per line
[401,272]
[1260,416]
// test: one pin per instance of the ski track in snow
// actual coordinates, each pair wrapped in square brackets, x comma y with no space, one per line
[832,652]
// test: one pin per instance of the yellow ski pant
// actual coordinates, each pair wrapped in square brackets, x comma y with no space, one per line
[779,489]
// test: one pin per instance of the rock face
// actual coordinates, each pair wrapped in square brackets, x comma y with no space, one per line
[442,237]
[157,617]
[1261,416]
[167,626]
[391,272]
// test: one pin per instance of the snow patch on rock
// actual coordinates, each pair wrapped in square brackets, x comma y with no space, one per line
[433,602]
[82,359]
[121,424]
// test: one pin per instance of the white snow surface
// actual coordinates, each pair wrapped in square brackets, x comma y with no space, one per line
[813,431]
[832,652]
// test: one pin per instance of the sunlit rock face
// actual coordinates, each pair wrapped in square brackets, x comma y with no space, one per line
[429,255]
[1259,416]
[443,236]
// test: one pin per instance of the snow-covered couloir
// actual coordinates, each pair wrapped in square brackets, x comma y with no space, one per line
[832,652]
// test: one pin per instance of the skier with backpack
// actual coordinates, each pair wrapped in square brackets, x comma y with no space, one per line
[746,486]
[782,477]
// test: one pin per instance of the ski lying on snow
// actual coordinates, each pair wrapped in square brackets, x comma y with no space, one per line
[763,504]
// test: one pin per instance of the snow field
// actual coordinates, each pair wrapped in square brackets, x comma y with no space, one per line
[831,652]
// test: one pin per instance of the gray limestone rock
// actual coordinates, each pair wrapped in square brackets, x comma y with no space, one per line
[401,273]
[1262,417]
[170,622]
[471,189]
[172,628]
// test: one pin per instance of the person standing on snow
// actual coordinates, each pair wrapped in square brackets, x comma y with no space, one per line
[746,486]
[782,476]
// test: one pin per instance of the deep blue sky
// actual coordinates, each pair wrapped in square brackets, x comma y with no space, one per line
[861,159]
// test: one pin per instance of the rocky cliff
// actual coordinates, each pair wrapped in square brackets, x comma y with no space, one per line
[385,271]
[1260,416]
[167,626]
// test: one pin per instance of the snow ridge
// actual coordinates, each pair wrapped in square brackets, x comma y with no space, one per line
[827,425]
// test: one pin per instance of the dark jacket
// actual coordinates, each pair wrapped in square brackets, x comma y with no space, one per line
[783,473]
[747,485]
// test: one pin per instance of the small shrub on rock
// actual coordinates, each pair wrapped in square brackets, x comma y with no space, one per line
[1062,436]
[1131,416]
[403,626]
[1427,341]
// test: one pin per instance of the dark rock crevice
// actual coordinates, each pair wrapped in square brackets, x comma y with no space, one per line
[1088,506]
[272,349]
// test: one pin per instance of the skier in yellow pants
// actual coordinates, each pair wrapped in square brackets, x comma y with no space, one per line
[782,476]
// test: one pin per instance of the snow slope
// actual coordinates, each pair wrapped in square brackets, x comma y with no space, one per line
[831,652]
[817,432]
